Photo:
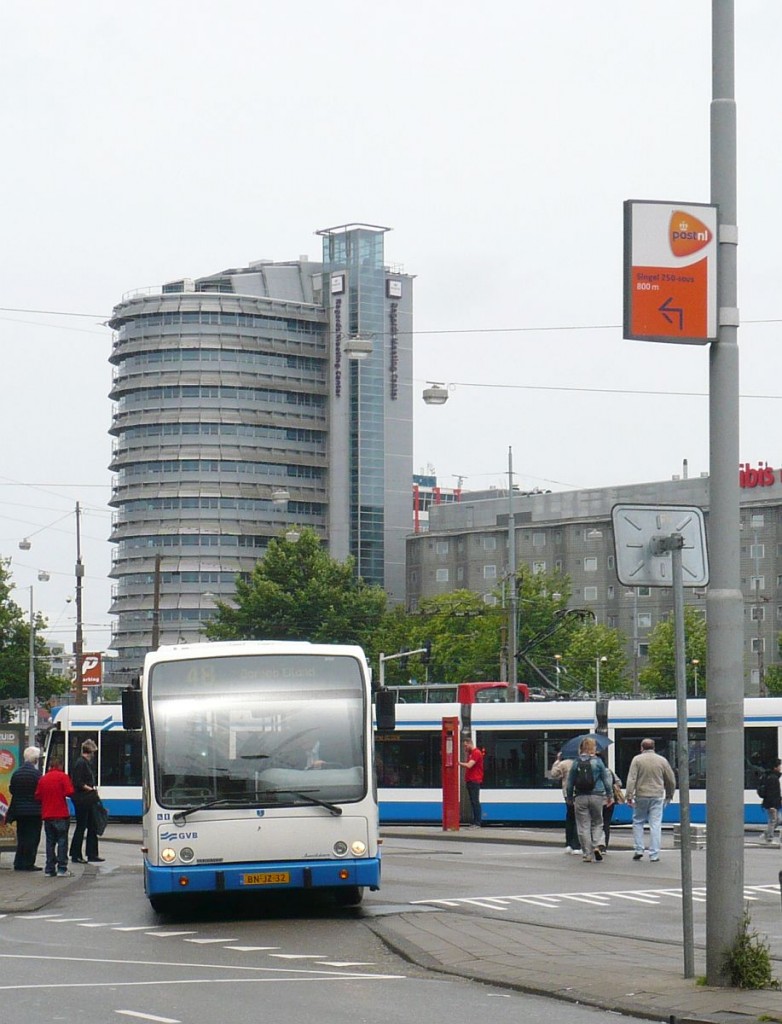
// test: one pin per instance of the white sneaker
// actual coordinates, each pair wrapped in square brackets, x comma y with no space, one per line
[568,849]
[576,853]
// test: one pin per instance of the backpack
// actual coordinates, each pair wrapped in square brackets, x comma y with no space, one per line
[761,790]
[583,778]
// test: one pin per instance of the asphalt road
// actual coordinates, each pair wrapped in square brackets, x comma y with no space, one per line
[100,953]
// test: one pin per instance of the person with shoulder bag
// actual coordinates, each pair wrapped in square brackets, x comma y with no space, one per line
[84,799]
[772,799]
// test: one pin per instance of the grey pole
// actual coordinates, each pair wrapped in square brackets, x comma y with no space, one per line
[31,715]
[725,686]
[513,668]
[676,544]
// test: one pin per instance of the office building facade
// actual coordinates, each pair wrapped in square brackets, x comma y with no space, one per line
[247,404]
[467,546]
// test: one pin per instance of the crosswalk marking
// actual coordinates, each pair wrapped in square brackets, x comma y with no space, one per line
[554,901]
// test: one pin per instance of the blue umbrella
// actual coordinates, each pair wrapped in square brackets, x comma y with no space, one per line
[570,747]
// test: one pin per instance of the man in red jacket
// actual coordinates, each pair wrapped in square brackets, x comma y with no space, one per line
[52,790]
[473,778]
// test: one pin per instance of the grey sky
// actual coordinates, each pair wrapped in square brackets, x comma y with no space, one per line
[149,141]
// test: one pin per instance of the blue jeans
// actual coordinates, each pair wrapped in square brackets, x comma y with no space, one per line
[474,793]
[648,810]
[56,830]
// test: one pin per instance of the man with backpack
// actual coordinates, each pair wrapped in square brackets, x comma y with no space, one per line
[771,795]
[589,789]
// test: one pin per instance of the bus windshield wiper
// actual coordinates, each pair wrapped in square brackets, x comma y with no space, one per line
[179,817]
[305,795]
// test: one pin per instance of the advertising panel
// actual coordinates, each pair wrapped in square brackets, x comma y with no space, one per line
[12,743]
[670,257]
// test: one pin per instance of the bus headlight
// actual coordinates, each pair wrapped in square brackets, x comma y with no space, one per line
[167,855]
[340,848]
[186,854]
[358,848]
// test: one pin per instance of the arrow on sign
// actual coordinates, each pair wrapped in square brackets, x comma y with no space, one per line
[665,309]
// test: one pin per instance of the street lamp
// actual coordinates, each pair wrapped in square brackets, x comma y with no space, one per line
[695,662]
[598,663]
[32,717]
[435,394]
[357,348]
[558,668]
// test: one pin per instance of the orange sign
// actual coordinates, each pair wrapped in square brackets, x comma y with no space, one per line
[670,272]
[91,670]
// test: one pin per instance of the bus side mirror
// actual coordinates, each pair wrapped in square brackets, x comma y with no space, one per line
[132,716]
[385,710]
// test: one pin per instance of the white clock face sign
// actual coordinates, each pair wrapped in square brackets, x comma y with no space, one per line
[638,531]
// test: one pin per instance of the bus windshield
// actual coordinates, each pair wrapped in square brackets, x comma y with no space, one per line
[257,730]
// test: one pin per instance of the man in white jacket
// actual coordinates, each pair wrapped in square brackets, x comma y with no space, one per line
[650,785]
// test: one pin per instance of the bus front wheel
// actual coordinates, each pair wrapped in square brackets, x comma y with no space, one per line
[349,896]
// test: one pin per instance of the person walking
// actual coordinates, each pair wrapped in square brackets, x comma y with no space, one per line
[608,809]
[650,785]
[84,798]
[589,789]
[473,779]
[772,799]
[52,790]
[27,810]
[560,770]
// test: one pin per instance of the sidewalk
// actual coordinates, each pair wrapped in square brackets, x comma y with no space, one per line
[641,976]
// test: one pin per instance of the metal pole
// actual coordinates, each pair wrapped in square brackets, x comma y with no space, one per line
[513,673]
[683,756]
[597,679]
[31,715]
[78,647]
[725,693]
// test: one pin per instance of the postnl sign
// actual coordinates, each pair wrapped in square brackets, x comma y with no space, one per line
[670,256]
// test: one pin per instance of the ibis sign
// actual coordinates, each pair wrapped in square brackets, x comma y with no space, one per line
[670,286]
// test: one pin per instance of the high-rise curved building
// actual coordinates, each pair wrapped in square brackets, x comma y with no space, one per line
[248,403]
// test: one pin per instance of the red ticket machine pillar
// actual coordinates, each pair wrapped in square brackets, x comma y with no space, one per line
[450,771]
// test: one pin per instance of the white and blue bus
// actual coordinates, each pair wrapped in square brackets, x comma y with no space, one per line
[258,770]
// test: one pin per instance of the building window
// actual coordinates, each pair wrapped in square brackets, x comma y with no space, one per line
[757,583]
[612,621]
[490,572]
[644,620]
[644,591]
[441,576]
[590,564]
[590,593]
[558,565]
[758,645]
[758,520]
[610,592]
[538,540]
[610,561]
[757,613]
[538,567]
[460,573]
[489,543]
[490,599]
[643,650]
[757,551]
[441,547]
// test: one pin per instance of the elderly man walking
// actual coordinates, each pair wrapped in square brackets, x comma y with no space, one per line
[650,785]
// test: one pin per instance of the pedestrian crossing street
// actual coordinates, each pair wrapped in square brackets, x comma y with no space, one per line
[607,898]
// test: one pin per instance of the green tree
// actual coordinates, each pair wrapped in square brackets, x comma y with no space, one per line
[590,643]
[658,677]
[298,592]
[15,648]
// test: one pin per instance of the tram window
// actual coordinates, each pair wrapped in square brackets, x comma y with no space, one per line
[75,740]
[120,759]
[408,760]
[520,760]
[760,751]
[56,747]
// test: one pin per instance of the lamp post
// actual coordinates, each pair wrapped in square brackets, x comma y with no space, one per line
[32,716]
[598,663]
[695,662]
[558,668]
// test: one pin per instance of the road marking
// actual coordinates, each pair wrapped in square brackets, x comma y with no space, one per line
[149,1016]
[637,899]
[596,901]
[170,935]
[68,920]
[135,928]
[252,949]
[35,917]
[99,924]
[207,942]
[298,956]
[346,963]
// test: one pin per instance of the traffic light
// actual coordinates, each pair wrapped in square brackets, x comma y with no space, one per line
[426,657]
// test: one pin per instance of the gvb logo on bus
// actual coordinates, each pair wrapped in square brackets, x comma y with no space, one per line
[168,837]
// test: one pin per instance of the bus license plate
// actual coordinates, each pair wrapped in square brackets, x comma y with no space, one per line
[268,878]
